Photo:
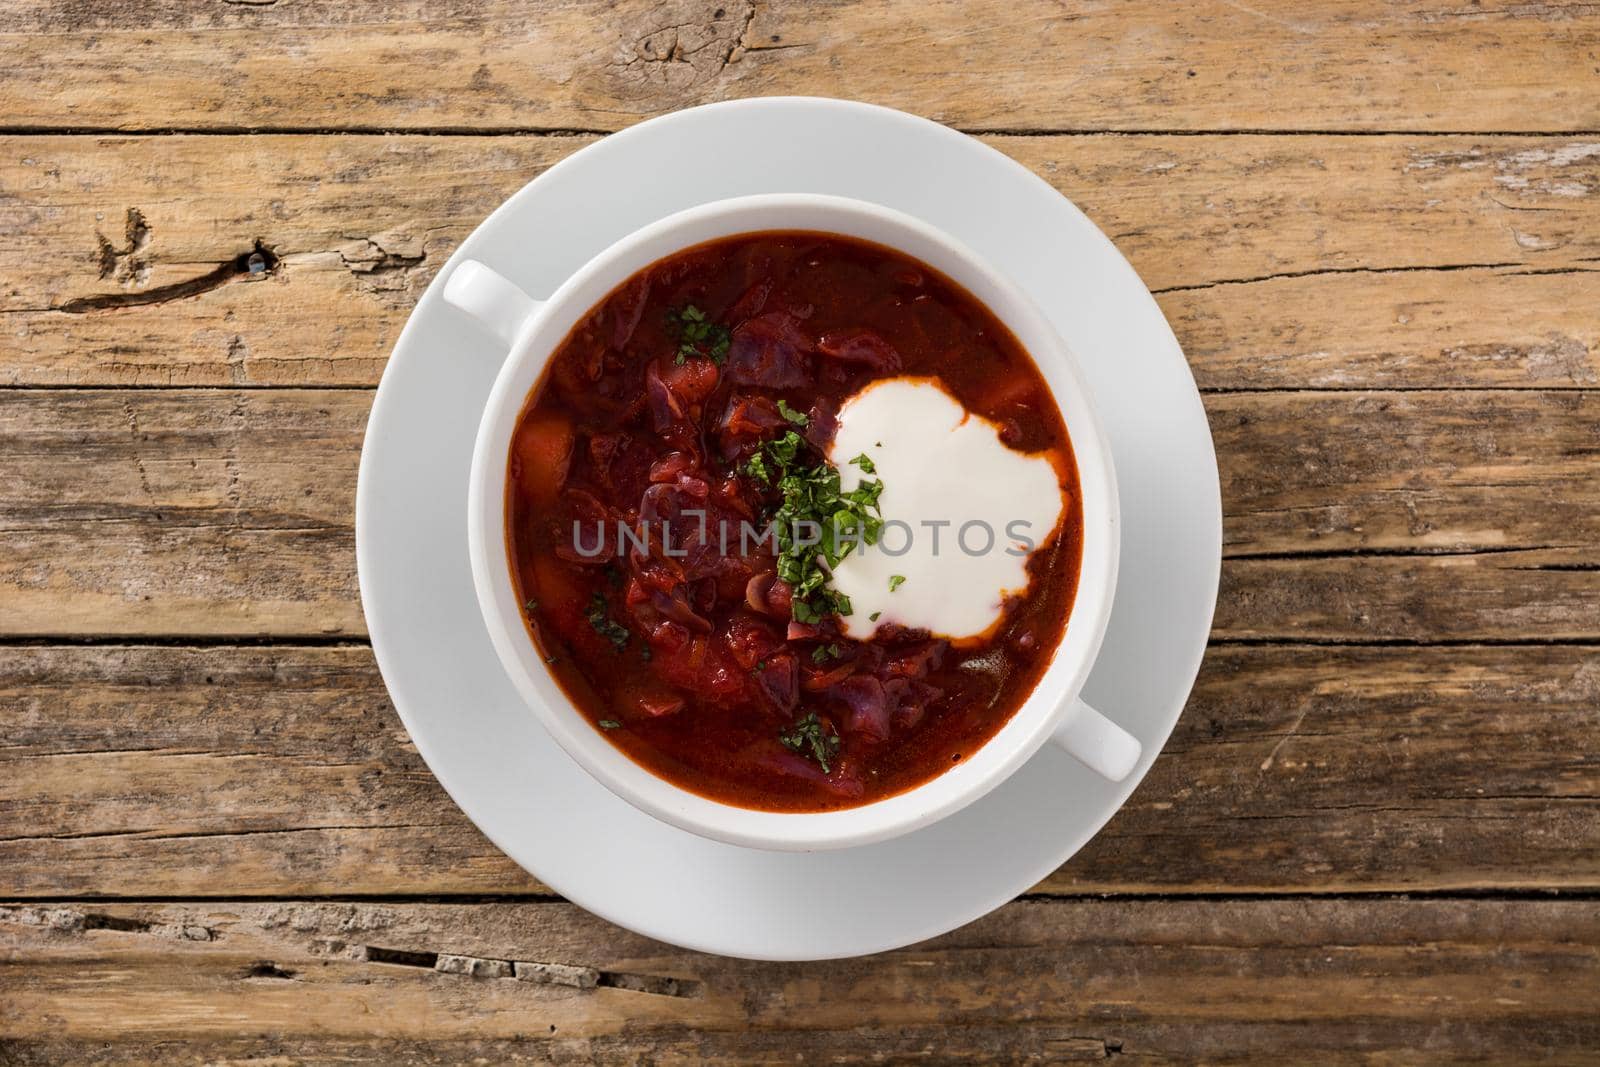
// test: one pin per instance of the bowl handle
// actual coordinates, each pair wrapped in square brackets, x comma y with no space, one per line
[1097,742]
[499,305]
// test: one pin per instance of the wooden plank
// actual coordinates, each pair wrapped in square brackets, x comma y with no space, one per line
[258,771]
[206,512]
[1285,981]
[1462,328]
[273,771]
[1319,769]
[1435,471]
[1211,64]
[1343,262]
[215,512]
[1450,499]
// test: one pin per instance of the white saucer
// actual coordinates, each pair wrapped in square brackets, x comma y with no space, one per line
[512,779]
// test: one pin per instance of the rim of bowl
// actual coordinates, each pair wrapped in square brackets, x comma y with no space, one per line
[1028,728]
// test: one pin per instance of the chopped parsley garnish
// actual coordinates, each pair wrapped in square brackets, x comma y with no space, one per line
[784,449]
[610,724]
[825,602]
[797,417]
[874,616]
[697,336]
[823,653]
[814,505]
[605,625]
[895,581]
[864,461]
[531,606]
[809,738]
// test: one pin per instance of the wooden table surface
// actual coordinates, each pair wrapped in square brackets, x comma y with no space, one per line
[1375,835]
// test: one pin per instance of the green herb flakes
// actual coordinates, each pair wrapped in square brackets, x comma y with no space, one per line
[796,417]
[817,523]
[605,625]
[809,737]
[698,336]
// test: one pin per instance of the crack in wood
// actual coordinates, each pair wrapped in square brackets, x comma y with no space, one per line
[399,957]
[1243,641]
[1557,567]
[740,44]
[74,921]
[371,255]
[190,835]
[155,752]
[32,519]
[1321,271]
[541,973]
[1533,272]
[675,49]
[259,262]
[266,968]
[177,640]
[113,922]
[1290,390]
[1419,552]
[655,985]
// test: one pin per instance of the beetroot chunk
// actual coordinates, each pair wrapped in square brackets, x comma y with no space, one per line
[666,409]
[626,308]
[770,351]
[691,381]
[863,347]
[747,419]
[778,679]
[868,716]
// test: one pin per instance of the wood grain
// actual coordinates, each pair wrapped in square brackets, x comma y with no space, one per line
[1375,228]
[243,771]
[205,512]
[273,771]
[1338,262]
[1453,980]
[1471,515]
[994,64]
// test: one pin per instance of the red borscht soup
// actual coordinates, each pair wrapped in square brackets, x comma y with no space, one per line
[660,481]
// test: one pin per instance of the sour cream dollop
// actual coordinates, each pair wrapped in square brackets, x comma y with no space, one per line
[962,511]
